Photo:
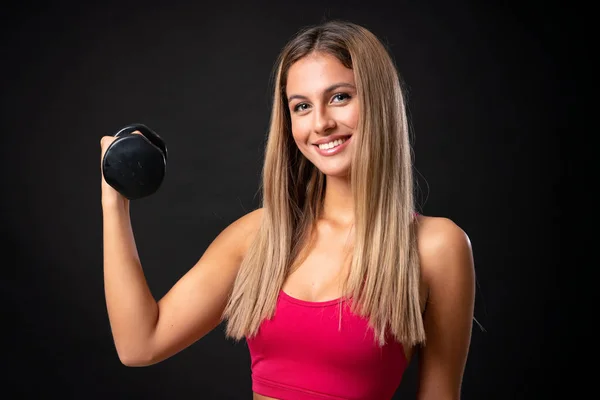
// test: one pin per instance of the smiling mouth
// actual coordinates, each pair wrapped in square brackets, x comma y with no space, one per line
[333,144]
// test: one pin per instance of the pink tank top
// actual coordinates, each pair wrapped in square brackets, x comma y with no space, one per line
[308,351]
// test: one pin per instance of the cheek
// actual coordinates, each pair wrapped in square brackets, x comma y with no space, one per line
[300,132]
[351,116]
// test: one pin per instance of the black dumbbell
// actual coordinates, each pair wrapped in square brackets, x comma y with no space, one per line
[135,165]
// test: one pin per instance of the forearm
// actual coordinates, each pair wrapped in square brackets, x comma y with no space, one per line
[132,310]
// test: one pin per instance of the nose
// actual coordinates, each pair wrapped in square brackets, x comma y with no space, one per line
[323,122]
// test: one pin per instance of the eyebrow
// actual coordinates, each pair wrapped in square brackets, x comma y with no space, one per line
[329,89]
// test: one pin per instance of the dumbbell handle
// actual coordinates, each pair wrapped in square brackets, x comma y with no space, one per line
[148,133]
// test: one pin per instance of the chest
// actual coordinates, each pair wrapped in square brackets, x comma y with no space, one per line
[320,267]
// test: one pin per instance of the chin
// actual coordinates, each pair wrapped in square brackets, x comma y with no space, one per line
[335,168]
[336,172]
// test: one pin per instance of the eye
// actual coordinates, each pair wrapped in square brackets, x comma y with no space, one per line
[340,97]
[300,107]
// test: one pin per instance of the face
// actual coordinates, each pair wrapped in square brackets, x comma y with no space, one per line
[324,111]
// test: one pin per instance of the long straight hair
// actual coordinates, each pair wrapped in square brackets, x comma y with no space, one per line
[384,273]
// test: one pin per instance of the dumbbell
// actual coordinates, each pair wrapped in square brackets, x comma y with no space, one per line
[135,165]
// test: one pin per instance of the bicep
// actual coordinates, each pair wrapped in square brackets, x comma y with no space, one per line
[194,305]
[449,270]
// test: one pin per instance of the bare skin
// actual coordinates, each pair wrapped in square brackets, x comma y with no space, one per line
[146,331]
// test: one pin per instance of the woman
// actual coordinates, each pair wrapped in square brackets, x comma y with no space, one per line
[336,280]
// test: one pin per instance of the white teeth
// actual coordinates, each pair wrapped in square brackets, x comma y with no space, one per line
[332,144]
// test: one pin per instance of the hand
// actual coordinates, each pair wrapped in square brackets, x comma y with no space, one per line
[109,194]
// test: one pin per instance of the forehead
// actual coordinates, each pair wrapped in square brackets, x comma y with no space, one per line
[316,72]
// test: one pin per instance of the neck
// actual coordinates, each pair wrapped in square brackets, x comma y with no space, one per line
[338,203]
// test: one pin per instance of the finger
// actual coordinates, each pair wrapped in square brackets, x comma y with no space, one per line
[106,140]
[104,143]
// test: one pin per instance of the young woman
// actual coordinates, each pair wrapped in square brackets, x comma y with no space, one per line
[335,280]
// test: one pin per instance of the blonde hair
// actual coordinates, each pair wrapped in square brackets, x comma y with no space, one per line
[384,274]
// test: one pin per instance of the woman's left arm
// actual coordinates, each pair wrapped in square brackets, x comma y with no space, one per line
[448,269]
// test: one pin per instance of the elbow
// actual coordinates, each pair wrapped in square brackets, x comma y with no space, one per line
[135,357]
[134,362]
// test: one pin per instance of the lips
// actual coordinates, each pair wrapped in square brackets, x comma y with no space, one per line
[334,150]
[330,139]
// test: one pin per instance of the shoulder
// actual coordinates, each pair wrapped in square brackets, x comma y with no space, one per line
[242,231]
[444,249]
[249,221]
[448,273]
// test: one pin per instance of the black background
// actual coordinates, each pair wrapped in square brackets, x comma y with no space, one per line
[490,91]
